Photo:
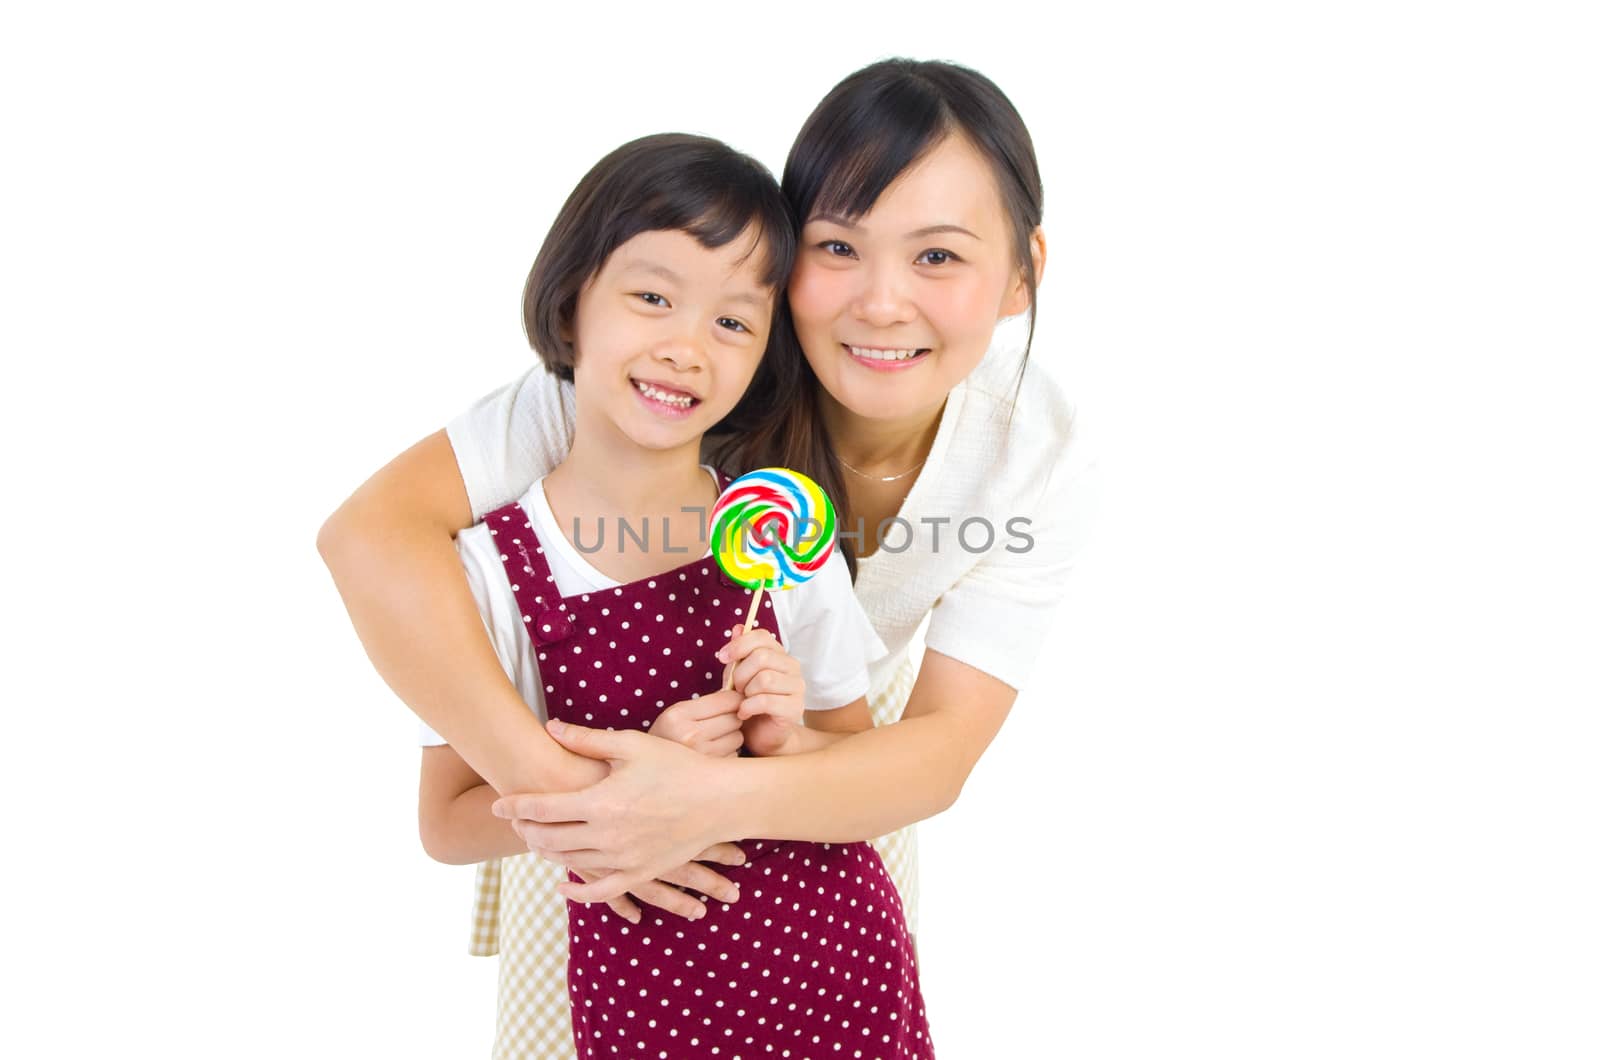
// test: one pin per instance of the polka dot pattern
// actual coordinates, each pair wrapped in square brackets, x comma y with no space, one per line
[814,960]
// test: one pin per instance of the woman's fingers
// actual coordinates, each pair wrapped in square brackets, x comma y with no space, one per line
[622,905]
[669,899]
[601,890]
[723,854]
[708,882]
[556,838]
[578,861]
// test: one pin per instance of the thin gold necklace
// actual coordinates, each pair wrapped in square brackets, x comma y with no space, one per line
[881,478]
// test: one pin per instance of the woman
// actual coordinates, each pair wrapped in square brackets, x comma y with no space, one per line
[920,203]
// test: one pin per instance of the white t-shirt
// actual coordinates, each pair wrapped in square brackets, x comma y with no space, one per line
[822,624]
[1003,452]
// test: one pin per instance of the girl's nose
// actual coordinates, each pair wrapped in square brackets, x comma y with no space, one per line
[682,352]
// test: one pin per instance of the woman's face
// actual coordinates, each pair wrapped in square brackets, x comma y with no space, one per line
[897,307]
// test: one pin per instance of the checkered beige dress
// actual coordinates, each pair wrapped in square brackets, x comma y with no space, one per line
[518,914]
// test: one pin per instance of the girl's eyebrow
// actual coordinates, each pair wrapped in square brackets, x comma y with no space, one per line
[654,270]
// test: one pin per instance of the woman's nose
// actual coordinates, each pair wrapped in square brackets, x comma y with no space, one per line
[883,302]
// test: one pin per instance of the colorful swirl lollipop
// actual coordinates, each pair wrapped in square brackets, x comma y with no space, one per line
[771,529]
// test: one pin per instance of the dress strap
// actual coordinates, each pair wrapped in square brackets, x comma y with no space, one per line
[545,614]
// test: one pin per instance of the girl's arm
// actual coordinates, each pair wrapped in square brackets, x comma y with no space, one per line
[390,550]
[457,828]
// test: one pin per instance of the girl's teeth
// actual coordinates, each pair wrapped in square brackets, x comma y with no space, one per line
[882,355]
[657,394]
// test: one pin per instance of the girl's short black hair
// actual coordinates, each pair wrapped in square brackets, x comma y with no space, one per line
[666,182]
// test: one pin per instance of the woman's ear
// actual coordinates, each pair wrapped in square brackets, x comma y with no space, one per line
[1017,298]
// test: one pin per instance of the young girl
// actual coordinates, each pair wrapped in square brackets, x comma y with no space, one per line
[653,294]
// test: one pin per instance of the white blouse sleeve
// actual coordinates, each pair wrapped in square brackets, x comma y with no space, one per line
[511,437]
[825,629]
[497,606]
[996,617]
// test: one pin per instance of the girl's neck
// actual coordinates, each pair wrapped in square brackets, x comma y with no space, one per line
[880,446]
[606,474]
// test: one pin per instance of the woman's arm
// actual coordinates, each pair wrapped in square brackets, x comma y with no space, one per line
[390,550]
[661,800]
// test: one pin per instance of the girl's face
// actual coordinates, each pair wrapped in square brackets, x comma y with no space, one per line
[668,335]
[897,307]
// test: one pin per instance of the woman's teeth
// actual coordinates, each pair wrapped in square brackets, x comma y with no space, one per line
[883,355]
[666,397]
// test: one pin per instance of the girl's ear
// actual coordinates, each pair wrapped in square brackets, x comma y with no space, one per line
[1016,299]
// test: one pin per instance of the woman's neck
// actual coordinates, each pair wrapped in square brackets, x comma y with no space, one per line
[880,446]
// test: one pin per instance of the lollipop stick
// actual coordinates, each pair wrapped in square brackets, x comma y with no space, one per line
[749,624]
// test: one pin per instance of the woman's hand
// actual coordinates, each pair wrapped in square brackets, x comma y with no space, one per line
[774,689]
[709,724]
[664,893]
[661,807]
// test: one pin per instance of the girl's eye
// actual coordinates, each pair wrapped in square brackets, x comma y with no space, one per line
[935,257]
[732,324]
[652,298]
[837,248]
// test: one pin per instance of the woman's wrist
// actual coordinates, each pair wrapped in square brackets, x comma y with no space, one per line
[732,789]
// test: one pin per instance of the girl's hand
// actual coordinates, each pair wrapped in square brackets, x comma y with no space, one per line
[664,894]
[709,724]
[661,806]
[774,691]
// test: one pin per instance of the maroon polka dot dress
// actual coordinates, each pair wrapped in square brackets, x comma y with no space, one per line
[813,960]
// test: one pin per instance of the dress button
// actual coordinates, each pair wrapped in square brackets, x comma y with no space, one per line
[552,625]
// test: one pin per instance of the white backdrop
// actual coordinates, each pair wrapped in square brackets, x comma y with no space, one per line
[1310,768]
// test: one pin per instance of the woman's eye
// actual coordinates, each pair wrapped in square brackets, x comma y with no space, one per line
[837,248]
[652,298]
[732,324]
[935,257]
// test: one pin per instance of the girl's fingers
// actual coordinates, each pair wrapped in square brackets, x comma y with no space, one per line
[742,644]
[775,682]
[777,707]
[708,882]
[774,659]
[709,706]
[724,746]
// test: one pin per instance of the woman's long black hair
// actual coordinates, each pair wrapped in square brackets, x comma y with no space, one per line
[864,134]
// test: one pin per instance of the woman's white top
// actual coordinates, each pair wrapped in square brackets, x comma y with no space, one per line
[987,534]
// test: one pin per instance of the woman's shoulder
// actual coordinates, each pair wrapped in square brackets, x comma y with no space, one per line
[1017,415]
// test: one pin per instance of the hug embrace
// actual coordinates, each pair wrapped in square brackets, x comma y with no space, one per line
[693,838]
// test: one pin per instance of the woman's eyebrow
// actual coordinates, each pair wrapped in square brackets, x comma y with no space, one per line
[833,219]
[933,230]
